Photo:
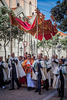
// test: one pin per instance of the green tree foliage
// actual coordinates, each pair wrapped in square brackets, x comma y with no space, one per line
[5,28]
[64,44]
[60,15]
[48,44]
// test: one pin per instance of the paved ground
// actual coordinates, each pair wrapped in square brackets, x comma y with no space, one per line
[55,97]
[23,94]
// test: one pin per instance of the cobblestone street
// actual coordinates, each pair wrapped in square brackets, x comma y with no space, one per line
[24,94]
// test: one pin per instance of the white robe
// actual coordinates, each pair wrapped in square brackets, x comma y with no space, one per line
[19,70]
[4,71]
[30,82]
[34,76]
[56,71]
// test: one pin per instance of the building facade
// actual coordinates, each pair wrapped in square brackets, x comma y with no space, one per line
[29,7]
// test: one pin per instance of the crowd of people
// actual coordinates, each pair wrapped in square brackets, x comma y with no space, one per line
[37,73]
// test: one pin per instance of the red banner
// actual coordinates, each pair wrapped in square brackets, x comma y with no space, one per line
[22,25]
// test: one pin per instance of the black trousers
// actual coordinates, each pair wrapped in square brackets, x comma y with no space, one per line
[14,78]
[62,88]
[38,84]
[1,79]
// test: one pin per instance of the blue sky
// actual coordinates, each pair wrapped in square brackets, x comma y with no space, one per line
[45,6]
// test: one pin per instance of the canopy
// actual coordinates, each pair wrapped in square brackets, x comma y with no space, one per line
[45,27]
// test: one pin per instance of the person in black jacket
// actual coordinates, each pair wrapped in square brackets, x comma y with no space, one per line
[1,73]
[36,68]
[12,64]
[61,78]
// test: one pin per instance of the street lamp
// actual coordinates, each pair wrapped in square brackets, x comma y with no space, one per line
[21,50]
[59,49]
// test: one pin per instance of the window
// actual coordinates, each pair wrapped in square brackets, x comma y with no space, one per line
[17,2]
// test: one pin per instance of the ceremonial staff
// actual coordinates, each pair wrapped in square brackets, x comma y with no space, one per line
[37,34]
[37,11]
[51,35]
[43,16]
[18,41]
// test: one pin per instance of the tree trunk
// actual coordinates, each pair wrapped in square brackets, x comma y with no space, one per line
[5,50]
[5,53]
[11,46]
[47,52]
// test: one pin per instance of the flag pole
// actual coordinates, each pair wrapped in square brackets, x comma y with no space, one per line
[37,34]
[18,40]
[52,39]
[37,11]
[43,33]
[24,43]
[53,19]
[55,44]
[53,49]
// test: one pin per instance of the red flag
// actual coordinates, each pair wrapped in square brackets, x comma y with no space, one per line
[47,29]
[47,36]
[54,29]
[40,37]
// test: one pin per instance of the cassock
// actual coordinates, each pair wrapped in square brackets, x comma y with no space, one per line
[16,71]
[3,76]
[57,76]
[38,73]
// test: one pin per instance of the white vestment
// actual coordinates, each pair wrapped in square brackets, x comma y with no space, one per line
[19,70]
[30,82]
[34,76]
[56,78]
